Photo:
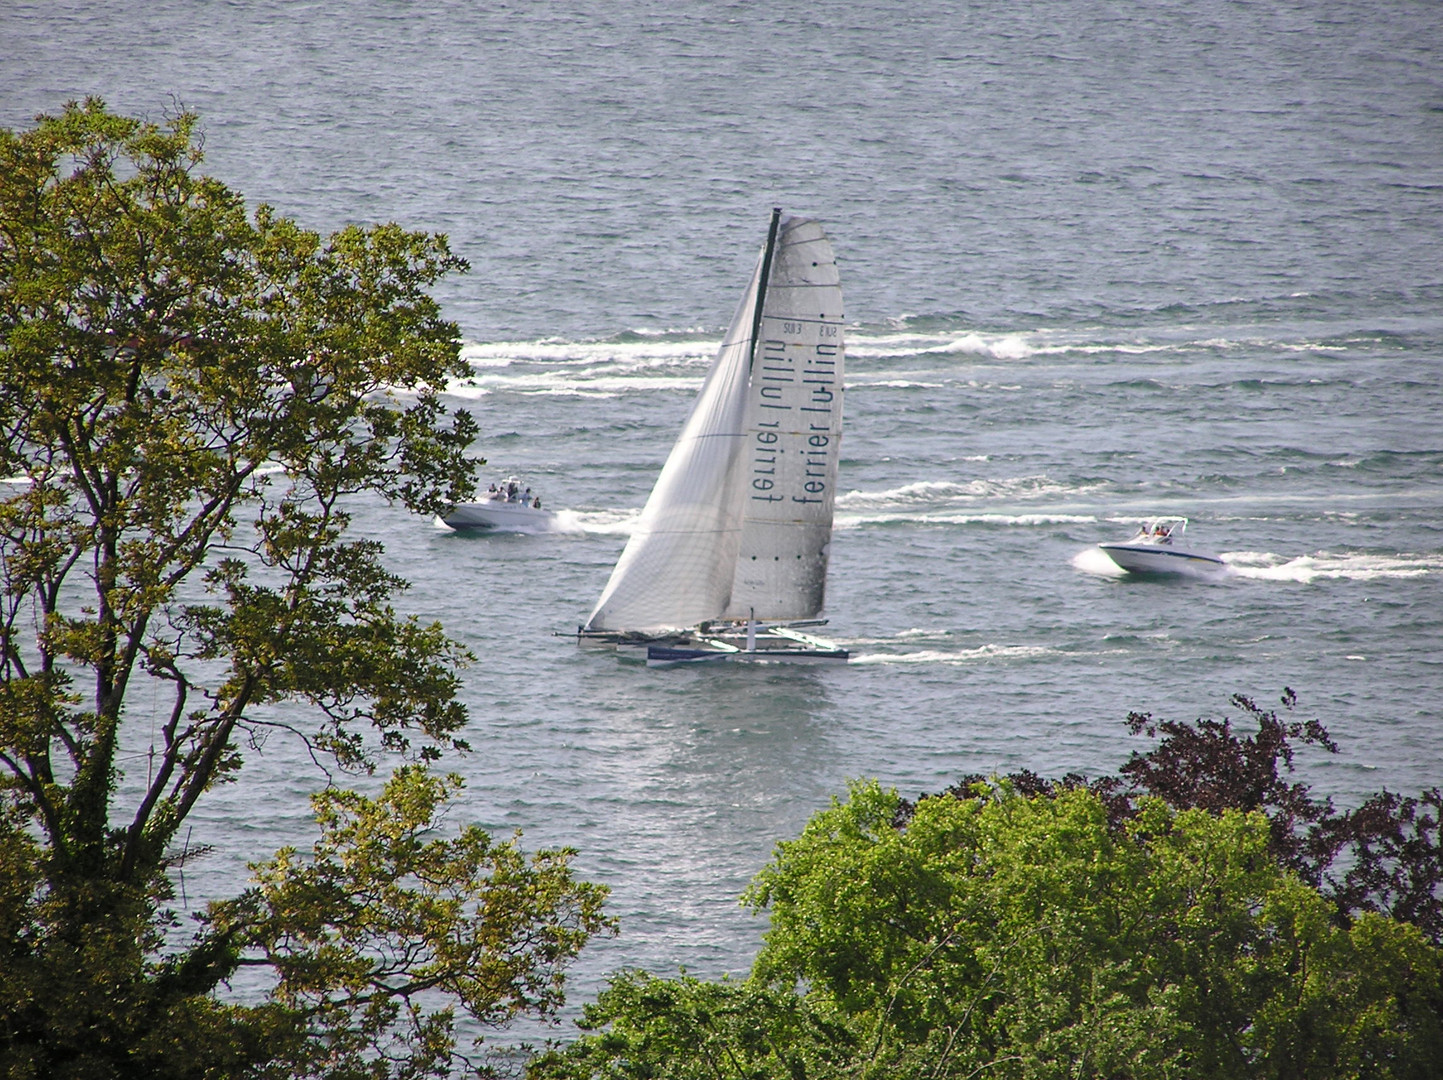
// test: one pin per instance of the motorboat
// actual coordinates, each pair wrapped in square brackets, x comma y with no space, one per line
[728,562]
[508,507]
[1157,548]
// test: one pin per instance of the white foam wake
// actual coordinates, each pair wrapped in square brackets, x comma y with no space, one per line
[643,348]
[589,384]
[1323,565]
[600,522]
[640,353]
[1094,560]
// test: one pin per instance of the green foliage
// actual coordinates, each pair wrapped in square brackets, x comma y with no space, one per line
[190,396]
[1006,935]
[687,1029]
[381,929]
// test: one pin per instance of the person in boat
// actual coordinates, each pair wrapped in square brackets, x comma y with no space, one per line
[511,491]
[536,503]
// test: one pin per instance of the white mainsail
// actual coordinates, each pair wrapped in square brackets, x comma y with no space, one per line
[739,522]
[793,434]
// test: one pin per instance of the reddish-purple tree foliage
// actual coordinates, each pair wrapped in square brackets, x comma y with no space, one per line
[1385,856]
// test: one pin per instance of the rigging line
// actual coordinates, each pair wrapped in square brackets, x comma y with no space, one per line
[762,283]
[184,854]
[150,758]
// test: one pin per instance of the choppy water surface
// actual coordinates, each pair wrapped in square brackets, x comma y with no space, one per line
[1100,265]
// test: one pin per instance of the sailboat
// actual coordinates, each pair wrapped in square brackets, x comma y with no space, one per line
[729,559]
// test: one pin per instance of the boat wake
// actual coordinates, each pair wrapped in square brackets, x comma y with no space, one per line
[598,522]
[1302,569]
[1323,565]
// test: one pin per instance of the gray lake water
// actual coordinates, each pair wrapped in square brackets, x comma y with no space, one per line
[1102,263]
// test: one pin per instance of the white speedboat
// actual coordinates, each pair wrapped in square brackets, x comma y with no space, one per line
[1158,549]
[508,507]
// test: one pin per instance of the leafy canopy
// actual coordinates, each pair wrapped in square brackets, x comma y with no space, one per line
[1183,922]
[191,397]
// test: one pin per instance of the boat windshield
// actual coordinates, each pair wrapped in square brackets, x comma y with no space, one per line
[511,490]
[1161,530]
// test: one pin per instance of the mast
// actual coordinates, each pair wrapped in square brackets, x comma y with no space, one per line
[762,280]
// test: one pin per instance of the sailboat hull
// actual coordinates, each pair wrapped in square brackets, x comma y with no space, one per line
[764,644]
[672,656]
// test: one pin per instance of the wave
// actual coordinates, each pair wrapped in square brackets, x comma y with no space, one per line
[1221,328]
[856,521]
[623,522]
[571,384]
[981,654]
[1009,346]
[917,491]
[912,635]
[599,369]
[642,362]
[931,492]
[680,347]
[892,384]
[918,632]
[691,347]
[1046,343]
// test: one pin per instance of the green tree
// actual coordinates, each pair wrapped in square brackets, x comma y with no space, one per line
[1029,936]
[191,397]
[689,1029]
